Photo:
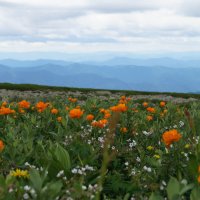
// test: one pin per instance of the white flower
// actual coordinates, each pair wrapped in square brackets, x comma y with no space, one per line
[27,188]
[164,183]
[32,191]
[145,168]
[126,163]
[74,171]
[84,187]
[26,196]
[138,159]
[181,124]
[148,169]
[147,133]
[161,187]
[10,190]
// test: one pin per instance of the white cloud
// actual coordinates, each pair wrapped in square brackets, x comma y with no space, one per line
[98,25]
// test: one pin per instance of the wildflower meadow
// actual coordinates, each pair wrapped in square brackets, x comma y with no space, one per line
[67,149]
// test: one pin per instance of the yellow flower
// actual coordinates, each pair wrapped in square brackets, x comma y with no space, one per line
[187,146]
[149,148]
[156,156]
[20,173]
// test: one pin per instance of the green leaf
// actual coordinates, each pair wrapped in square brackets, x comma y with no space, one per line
[126,197]
[155,196]
[186,188]
[36,180]
[62,156]
[173,189]
[51,190]
[195,194]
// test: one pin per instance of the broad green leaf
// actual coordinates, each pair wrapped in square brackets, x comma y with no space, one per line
[155,196]
[36,180]
[173,189]
[186,188]
[195,194]
[62,156]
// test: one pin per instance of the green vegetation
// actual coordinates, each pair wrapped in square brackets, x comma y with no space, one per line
[25,87]
[119,149]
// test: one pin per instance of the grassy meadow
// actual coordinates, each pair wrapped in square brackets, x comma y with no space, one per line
[67,148]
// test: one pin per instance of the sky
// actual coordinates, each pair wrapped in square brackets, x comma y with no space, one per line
[136,26]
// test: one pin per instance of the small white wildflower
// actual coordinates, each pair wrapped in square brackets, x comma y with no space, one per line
[149,169]
[161,187]
[32,191]
[89,142]
[84,187]
[26,196]
[145,168]
[74,171]
[184,182]
[164,183]
[10,190]
[138,159]
[27,188]
[126,163]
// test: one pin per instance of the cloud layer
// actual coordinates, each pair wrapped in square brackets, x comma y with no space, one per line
[99,25]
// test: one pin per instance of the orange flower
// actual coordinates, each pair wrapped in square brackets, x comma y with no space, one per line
[24,104]
[145,104]
[162,104]
[59,119]
[151,110]
[199,169]
[165,111]
[171,136]
[123,97]
[22,111]
[124,130]
[100,124]
[6,111]
[4,104]
[89,117]
[122,101]
[135,110]
[162,114]
[73,100]
[1,145]
[119,108]
[107,115]
[149,118]
[41,106]
[75,113]
[66,108]
[198,179]
[128,99]
[54,111]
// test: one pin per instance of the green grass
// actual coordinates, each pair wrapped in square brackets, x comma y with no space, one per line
[33,87]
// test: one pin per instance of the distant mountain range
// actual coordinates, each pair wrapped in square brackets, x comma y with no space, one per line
[158,74]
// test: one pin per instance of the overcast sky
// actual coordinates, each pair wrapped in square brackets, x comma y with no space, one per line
[99,25]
